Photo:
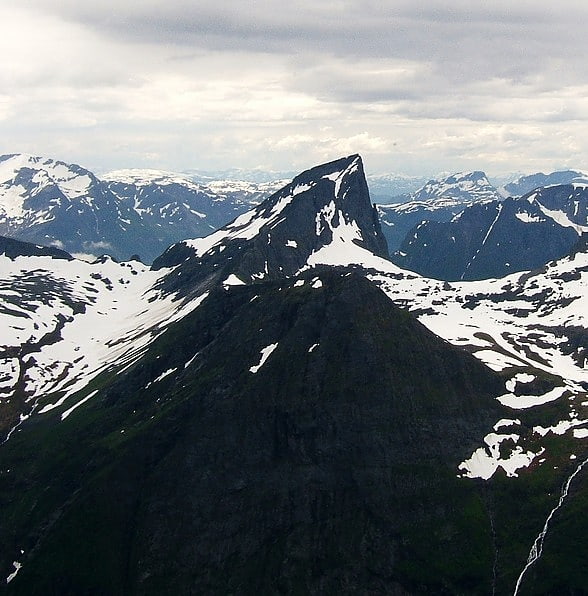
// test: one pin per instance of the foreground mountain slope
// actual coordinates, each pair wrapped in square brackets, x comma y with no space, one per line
[497,238]
[297,472]
[256,420]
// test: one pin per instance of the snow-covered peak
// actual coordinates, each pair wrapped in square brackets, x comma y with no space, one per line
[326,206]
[335,205]
[466,186]
[24,176]
[73,180]
[146,177]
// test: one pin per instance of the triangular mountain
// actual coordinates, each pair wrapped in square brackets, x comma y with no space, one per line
[279,438]
[326,207]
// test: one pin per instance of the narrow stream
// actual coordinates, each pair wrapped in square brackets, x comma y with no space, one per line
[537,548]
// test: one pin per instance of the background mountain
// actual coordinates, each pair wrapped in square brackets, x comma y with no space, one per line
[438,200]
[496,238]
[127,212]
[526,184]
[240,418]
[393,188]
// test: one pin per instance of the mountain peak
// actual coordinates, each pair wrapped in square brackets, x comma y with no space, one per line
[463,186]
[325,206]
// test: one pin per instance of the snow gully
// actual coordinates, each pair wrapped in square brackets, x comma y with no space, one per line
[537,548]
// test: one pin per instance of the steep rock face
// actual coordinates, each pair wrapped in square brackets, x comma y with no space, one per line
[214,465]
[328,205]
[498,238]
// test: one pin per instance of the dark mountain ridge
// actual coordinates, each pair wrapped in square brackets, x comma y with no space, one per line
[277,238]
[493,239]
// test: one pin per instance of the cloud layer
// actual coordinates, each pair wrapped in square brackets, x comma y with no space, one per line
[415,87]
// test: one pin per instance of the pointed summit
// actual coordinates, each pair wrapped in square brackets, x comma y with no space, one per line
[326,206]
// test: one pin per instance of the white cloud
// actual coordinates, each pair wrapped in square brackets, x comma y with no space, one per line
[430,85]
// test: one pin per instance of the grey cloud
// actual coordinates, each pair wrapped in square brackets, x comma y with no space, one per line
[461,41]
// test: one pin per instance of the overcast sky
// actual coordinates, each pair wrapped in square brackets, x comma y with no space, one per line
[416,87]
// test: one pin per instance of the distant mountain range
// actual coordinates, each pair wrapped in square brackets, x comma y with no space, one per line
[278,408]
[142,212]
[125,213]
[526,184]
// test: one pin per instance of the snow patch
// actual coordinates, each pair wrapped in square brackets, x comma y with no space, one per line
[485,461]
[82,401]
[161,377]
[17,568]
[520,378]
[265,354]
[233,280]
[522,402]
[528,218]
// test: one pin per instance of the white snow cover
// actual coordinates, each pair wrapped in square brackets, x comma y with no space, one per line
[233,280]
[145,177]
[522,402]
[519,378]
[485,461]
[111,326]
[17,567]
[489,325]
[560,428]
[562,219]
[162,376]
[265,354]
[246,226]
[82,401]
[507,422]
[71,183]
[528,218]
